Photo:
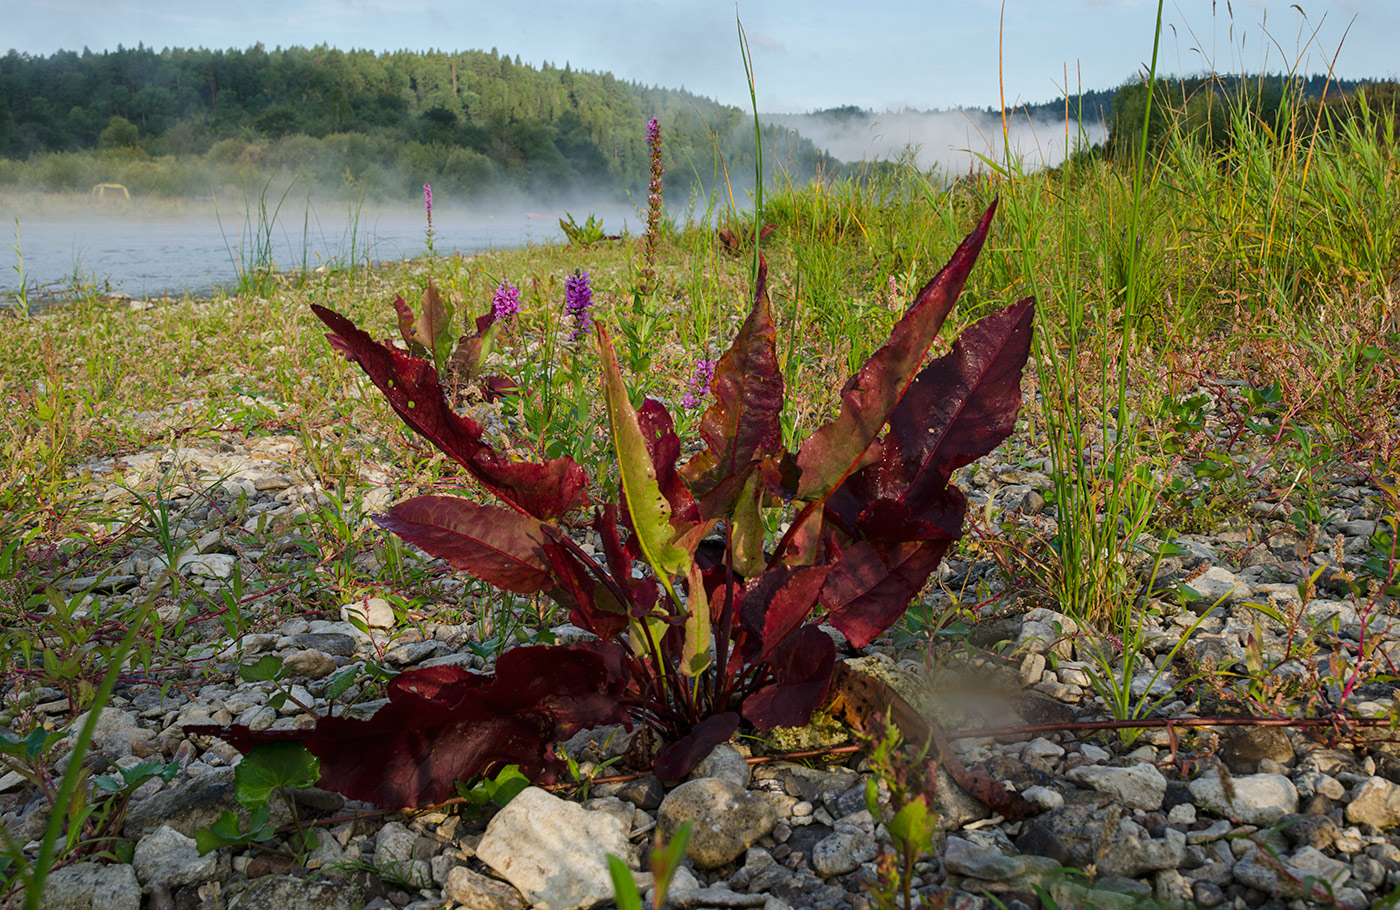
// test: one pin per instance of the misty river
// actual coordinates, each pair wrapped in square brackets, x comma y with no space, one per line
[153,248]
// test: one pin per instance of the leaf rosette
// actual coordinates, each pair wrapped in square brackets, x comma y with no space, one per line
[703,623]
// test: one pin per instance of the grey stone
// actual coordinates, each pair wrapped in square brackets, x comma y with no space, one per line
[1138,786]
[1312,862]
[412,653]
[554,851]
[1045,631]
[1072,835]
[1257,870]
[1375,801]
[400,855]
[953,806]
[118,733]
[335,644]
[644,793]
[1243,751]
[201,565]
[167,857]
[1131,851]
[620,809]
[90,886]
[1220,585]
[1317,831]
[843,852]
[308,664]
[726,763]
[962,857]
[1255,799]
[473,891]
[695,898]
[728,819]
[1207,894]
[287,892]
[192,804]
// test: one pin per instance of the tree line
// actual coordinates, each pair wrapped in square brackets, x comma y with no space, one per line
[468,121]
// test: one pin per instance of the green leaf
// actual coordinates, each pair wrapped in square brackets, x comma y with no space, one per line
[264,669]
[270,766]
[624,886]
[911,827]
[507,785]
[671,856]
[749,559]
[695,652]
[340,681]
[227,831]
[651,513]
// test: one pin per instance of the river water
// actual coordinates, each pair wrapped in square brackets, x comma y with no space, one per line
[148,249]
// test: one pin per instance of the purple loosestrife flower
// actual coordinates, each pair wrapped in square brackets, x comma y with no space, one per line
[699,385]
[428,204]
[578,301]
[653,234]
[506,303]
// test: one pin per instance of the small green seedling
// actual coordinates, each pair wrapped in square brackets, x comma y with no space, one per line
[501,789]
[664,863]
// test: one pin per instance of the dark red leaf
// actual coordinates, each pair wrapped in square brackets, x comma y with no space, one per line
[959,408]
[447,724]
[466,359]
[641,592]
[497,545]
[871,585]
[893,521]
[432,319]
[497,387]
[748,387]
[841,447]
[679,758]
[411,387]
[659,433]
[802,666]
[406,324]
[593,605]
[779,601]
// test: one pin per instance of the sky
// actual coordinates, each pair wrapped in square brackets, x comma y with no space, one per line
[884,55]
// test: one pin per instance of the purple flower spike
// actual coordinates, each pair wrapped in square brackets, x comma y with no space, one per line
[699,385]
[506,303]
[428,203]
[578,300]
[648,275]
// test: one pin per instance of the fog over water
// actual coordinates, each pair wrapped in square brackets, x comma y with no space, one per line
[951,141]
[154,247]
[151,248]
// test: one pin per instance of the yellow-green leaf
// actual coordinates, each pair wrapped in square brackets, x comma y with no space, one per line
[651,513]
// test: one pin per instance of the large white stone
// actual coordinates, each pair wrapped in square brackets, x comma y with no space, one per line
[374,612]
[167,857]
[1374,802]
[728,819]
[1139,786]
[89,886]
[1254,799]
[553,851]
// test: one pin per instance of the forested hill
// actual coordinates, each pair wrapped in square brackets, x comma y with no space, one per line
[468,121]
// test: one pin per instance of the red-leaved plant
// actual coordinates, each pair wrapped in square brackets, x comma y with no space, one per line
[700,624]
